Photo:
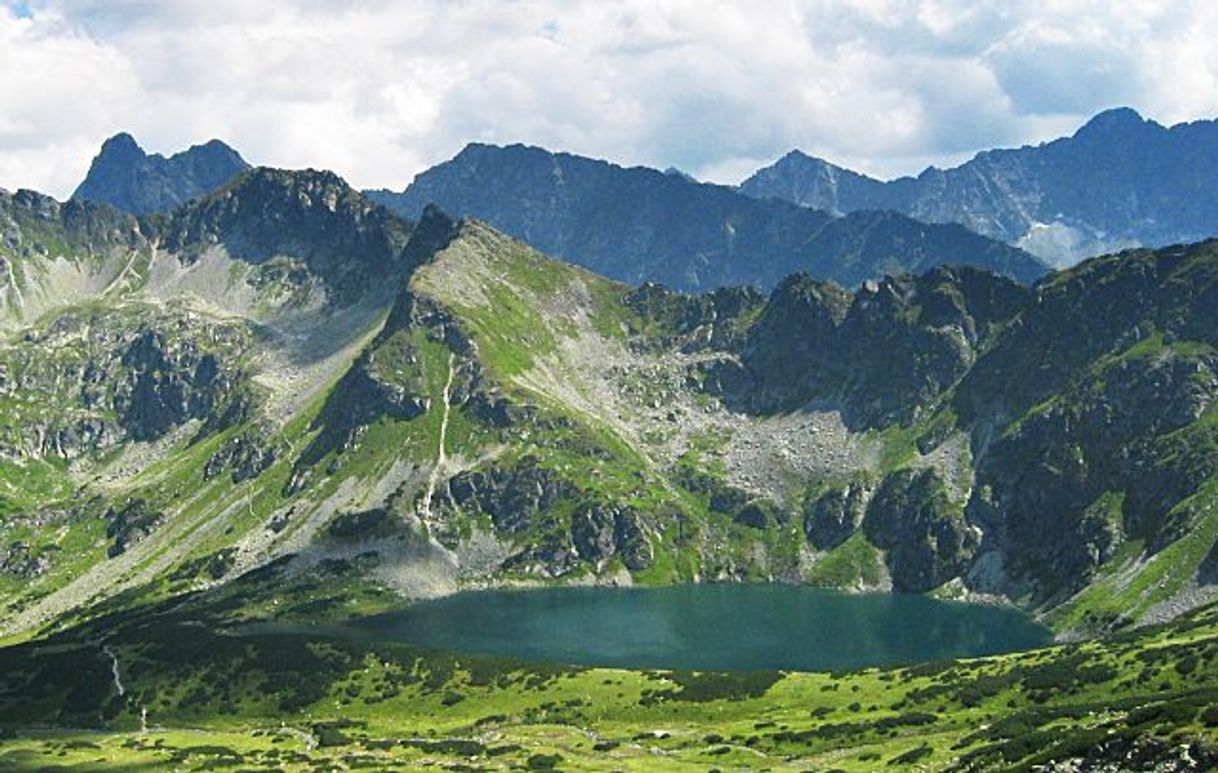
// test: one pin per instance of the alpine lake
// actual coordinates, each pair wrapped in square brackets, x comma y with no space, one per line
[711,627]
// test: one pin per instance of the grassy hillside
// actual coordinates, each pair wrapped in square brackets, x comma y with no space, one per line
[200,689]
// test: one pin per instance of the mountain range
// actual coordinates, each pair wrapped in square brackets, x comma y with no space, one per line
[1120,181]
[281,404]
[632,225]
[952,429]
[637,225]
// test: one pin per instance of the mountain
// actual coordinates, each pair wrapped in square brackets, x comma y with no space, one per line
[310,353]
[301,226]
[124,176]
[281,406]
[53,253]
[637,224]
[1119,181]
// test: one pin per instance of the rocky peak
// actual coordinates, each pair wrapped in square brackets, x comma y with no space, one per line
[812,182]
[1117,121]
[126,177]
[32,223]
[797,159]
[122,147]
[38,204]
[308,215]
[432,234]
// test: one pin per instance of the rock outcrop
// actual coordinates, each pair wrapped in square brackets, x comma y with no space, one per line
[927,539]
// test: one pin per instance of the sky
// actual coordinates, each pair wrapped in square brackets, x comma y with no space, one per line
[380,90]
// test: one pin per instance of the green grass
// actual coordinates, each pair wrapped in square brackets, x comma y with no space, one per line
[212,695]
[32,483]
[1131,582]
[855,563]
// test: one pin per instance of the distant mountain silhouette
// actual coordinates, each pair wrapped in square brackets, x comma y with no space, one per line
[126,177]
[640,224]
[1120,181]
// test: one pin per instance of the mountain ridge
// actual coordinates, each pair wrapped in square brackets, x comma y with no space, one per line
[637,224]
[325,351]
[1119,181]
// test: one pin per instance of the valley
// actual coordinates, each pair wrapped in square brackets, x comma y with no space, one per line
[280,407]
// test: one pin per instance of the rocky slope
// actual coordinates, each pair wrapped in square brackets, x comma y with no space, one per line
[290,373]
[54,253]
[125,177]
[637,225]
[1119,181]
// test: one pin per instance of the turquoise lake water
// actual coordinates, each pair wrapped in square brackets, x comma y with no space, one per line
[708,627]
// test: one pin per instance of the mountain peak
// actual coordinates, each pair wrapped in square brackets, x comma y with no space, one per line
[798,159]
[124,176]
[1116,119]
[310,215]
[280,195]
[798,156]
[292,179]
[121,144]
[810,182]
[214,148]
[482,148]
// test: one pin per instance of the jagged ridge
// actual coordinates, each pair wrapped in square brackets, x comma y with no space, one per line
[1119,181]
[639,225]
[125,177]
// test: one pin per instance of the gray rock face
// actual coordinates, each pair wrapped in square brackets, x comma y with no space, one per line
[23,562]
[521,499]
[883,352]
[105,377]
[169,382]
[640,225]
[514,497]
[599,532]
[340,237]
[926,535]
[35,225]
[243,456]
[831,518]
[129,524]
[1054,478]
[1119,181]
[125,177]
[673,320]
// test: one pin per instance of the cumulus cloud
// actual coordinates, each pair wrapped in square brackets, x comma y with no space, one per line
[379,90]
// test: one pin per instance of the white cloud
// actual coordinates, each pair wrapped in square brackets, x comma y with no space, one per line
[380,90]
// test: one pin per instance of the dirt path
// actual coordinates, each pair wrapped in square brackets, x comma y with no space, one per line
[118,680]
[441,458]
[116,282]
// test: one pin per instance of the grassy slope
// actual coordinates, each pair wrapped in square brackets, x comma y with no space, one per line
[264,699]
